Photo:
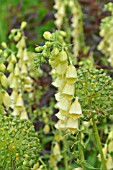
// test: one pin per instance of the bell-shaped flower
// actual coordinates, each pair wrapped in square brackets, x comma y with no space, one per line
[17,70]
[109,162]
[71,74]
[59,82]
[61,68]
[14,95]
[19,102]
[10,78]
[23,114]
[68,89]
[16,111]
[72,125]
[60,116]
[60,125]
[28,87]
[4,81]
[110,146]
[13,58]
[62,56]
[54,63]
[20,53]
[63,104]
[25,55]
[24,69]
[75,108]
[14,84]
[10,67]
[6,100]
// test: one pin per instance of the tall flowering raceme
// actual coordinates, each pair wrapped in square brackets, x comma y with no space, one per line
[55,51]
[106,45]
[72,8]
[5,99]
[20,69]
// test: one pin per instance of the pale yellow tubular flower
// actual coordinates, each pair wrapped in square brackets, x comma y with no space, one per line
[110,146]
[60,125]
[20,53]
[19,102]
[60,116]
[59,82]
[109,162]
[2,67]
[104,152]
[25,56]
[71,74]
[16,70]
[54,62]
[16,111]
[4,81]
[28,87]
[62,56]
[68,89]
[14,83]
[10,67]
[6,100]
[63,104]
[72,125]
[75,108]
[23,114]
[24,69]
[61,68]
[10,78]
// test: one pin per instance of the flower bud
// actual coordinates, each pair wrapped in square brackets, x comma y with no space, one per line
[4,45]
[23,25]
[47,35]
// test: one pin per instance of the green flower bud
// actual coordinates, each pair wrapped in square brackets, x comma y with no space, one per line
[47,35]
[23,25]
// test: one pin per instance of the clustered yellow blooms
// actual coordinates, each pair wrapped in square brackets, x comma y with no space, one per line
[106,32]
[76,26]
[4,96]
[19,68]
[69,106]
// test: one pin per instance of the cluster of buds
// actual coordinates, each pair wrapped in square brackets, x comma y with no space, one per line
[95,90]
[106,44]
[4,96]
[76,27]
[19,144]
[66,76]
[19,68]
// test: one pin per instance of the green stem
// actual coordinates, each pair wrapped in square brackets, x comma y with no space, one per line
[80,148]
[65,155]
[99,145]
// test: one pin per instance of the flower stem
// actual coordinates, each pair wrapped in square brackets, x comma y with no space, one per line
[80,148]
[99,145]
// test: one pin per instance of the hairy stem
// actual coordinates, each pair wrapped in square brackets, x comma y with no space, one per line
[99,145]
[80,148]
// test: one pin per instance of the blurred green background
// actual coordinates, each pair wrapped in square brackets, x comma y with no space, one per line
[39,15]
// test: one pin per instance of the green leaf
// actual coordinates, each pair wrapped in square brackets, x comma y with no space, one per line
[84,163]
